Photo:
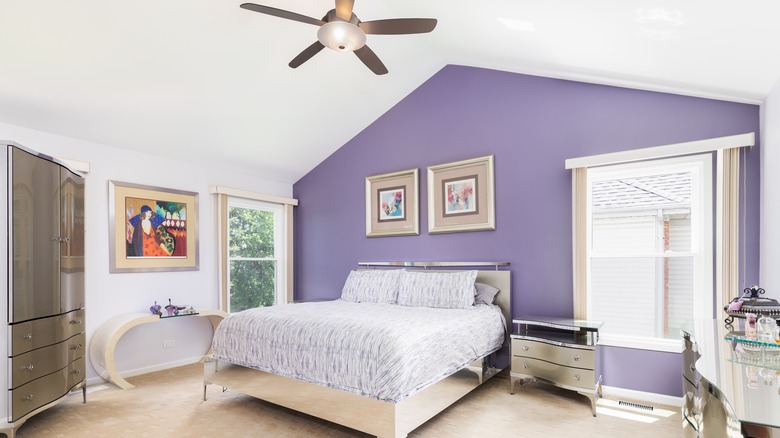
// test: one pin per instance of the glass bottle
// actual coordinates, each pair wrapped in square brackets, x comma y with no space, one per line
[750,326]
[766,329]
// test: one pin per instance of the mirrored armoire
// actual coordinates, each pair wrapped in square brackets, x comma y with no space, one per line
[44,340]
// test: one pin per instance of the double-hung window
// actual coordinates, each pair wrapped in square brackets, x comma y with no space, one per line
[649,249]
[255,256]
[655,237]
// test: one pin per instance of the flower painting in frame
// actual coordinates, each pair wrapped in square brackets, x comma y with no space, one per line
[391,204]
[152,229]
[461,196]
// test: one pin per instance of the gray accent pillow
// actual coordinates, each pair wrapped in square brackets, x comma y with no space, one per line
[484,293]
[371,286]
[448,290]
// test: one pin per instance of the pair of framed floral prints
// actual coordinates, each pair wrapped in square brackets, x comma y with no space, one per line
[461,197]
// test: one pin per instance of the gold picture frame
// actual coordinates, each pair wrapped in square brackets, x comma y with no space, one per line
[461,196]
[392,201]
[152,229]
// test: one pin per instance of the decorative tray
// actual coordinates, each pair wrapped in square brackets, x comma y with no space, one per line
[754,352]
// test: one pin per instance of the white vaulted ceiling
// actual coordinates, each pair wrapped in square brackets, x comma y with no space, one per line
[207,81]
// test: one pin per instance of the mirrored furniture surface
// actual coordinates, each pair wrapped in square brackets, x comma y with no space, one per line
[557,351]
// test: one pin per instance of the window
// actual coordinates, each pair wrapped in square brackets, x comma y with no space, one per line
[255,249]
[649,249]
[255,254]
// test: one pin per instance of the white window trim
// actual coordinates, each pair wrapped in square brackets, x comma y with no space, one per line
[667,151]
[701,242]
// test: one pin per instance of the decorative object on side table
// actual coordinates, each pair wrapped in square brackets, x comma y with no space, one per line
[174,309]
[155,309]
[461,196]
[392,204]
[152,229]
[750,302]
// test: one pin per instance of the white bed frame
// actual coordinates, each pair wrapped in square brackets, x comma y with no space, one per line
[380,418]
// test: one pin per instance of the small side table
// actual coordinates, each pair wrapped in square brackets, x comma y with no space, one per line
[103,343]
[557,351]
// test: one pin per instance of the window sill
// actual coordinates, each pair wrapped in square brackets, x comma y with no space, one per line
[663,345]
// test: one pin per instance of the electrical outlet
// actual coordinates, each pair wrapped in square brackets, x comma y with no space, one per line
[169,343]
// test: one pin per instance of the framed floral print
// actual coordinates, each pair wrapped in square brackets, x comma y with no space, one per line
[152,229]
[461,196]
[391,204]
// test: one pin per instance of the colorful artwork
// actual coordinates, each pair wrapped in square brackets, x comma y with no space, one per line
[461,196]
[158,229]
[392,204]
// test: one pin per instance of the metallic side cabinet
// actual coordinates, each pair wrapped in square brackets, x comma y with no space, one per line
[556,351]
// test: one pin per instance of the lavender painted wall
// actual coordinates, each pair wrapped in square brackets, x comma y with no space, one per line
[531,124]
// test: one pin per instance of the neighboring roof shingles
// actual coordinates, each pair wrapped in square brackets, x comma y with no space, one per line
[656,191]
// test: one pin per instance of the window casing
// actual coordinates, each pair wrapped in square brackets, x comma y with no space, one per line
[649,255]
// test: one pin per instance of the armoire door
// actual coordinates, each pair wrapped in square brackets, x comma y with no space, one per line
[72,244]
[36,237]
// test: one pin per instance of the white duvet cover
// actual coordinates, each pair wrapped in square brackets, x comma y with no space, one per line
[382,351]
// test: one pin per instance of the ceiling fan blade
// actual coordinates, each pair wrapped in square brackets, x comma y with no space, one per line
[282,14]
[306,54]
[344,9]
[398,26]
[371,61]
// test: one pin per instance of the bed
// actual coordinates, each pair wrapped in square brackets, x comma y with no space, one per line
[387,365]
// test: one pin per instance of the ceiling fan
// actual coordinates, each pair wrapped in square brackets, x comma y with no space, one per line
[342,31]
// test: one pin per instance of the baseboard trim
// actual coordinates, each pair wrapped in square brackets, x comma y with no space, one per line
[97,380]
[646,397]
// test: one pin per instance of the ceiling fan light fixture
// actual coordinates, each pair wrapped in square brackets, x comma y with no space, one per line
[341,36]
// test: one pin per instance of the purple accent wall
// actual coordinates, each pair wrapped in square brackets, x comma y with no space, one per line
[531,124]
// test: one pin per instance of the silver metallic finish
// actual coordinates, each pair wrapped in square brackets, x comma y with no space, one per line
[565,358]
[37,363]
[46,331]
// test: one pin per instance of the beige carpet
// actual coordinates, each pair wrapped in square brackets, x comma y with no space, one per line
[169,404]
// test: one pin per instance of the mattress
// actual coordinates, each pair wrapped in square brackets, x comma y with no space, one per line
[383,351]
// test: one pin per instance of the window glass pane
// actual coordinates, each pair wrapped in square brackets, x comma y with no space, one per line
[636,214]
[642,296]
[252,284]
[251,233]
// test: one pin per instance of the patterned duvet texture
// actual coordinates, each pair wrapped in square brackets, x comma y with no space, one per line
[382,351]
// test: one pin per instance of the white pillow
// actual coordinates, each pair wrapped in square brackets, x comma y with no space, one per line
[448,290]
[371,286]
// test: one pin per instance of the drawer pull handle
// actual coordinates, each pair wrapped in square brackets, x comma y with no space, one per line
[28,397]
[27,337]
[525,348]
[76,347]
[693,368]
[74,321]
[28,367]
[525,365]
[576,358]
[577,377]
[76,371]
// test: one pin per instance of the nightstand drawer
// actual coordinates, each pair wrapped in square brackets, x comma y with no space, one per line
[564,376]
[560,354]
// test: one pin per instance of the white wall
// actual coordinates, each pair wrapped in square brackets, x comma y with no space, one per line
[769,277]
[107,294]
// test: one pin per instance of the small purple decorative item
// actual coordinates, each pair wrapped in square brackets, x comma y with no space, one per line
[170,308]
[156,309]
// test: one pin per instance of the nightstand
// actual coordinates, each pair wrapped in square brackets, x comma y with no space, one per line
[556,351]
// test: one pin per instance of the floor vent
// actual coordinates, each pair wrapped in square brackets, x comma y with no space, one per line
[635,405]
